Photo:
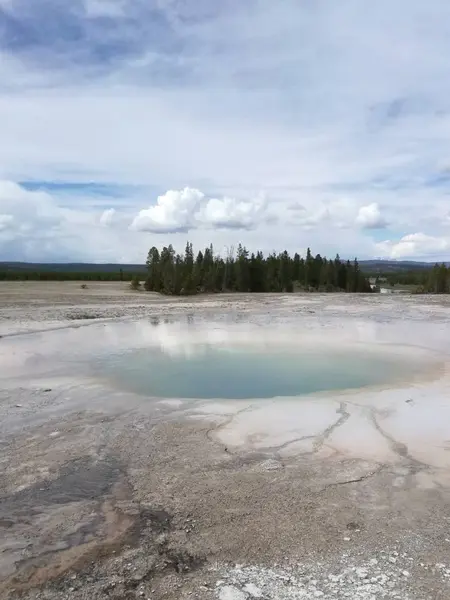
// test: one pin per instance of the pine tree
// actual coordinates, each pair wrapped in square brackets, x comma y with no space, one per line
[153,281]
[188,285]
[243,280]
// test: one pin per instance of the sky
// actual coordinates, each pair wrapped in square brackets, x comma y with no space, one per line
[281,125]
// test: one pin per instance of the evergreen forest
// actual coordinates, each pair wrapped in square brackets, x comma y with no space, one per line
[242,271]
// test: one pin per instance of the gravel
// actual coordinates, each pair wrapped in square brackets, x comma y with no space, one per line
[386,575]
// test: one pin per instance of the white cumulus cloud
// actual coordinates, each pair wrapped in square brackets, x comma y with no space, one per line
[230,213]
[189,208]
[173,211]
[370,217]
[415,245]
[28,208]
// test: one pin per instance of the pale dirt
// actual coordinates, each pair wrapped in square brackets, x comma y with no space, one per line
[105,495]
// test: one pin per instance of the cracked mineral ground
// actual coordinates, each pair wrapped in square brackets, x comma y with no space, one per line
[107,492]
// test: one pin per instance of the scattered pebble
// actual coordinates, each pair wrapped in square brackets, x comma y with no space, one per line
[364,580]
[253,590]
[229,592]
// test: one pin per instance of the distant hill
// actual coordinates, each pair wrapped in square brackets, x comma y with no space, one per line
[72,267]
[393,266]
[368,266]
[10,271]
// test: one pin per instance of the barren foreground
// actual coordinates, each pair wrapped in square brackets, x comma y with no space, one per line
[106,494]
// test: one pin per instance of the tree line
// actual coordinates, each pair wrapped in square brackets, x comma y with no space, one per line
[43,274]
[242,271]
[171,273]
[435,280]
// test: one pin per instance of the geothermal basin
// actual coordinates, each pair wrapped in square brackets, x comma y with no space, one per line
[154,444]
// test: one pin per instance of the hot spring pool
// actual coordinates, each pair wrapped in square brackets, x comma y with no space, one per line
[215,372]
[215,360]
[242,363]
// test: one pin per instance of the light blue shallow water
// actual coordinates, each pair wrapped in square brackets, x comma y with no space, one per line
[206,359]
[241,373]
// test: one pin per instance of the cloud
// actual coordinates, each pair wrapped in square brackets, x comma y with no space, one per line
[338,213]
[173,212]
[36,226]
[415,245]
[340,108]
[6,221]
[230,213]
[107,217]
[26,208]
[104,8]
[99,34]
[370,217]
[189,208]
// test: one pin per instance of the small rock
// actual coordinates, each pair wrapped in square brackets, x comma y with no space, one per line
[253,590]
[271,465]
[229,592]
[362,573]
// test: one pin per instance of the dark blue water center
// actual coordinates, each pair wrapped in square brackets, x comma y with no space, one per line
[241,373]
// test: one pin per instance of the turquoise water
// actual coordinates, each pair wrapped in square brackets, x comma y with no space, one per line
[242,373]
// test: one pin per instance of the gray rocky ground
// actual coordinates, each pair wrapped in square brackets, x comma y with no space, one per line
[105,495]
